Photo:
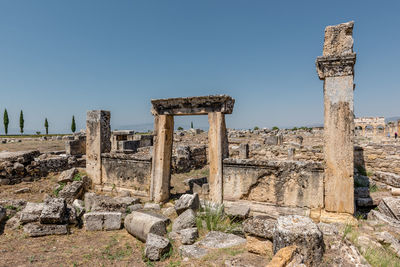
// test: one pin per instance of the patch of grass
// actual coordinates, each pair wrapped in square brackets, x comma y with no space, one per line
[58,189]
[373,188]
[11,207]
[381,257]
[215,219]
[77,177]
[174,263]
[113,252]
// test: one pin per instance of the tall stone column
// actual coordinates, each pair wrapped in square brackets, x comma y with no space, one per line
[363,130]
[162,155]
[217,151]
[98,134]
[336,68]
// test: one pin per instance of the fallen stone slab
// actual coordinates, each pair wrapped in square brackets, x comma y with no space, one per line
[140,224]
[283,257]
[193,251]
[185,236]
[390,206]
[187,201]
[260,226]
[98,221]
[67,176]
[186,220]
[302,232]
[215,239]
[54,211]
[387,178]
[95,202]
[258,245]
[72,191]
[35,229]
[31,212]
[156,247]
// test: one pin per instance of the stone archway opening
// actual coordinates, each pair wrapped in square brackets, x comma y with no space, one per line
[164,110]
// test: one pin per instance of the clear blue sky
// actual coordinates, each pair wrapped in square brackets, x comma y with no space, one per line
[59,58]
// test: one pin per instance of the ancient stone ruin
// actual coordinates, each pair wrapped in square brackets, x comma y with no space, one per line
[288,196]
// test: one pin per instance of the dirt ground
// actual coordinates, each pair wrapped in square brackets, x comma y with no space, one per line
[33,144]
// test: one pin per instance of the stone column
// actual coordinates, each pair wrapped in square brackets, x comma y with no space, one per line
[162,154]
[336,68]
[217,151]
[98,134]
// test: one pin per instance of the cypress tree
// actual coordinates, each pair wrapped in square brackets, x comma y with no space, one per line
[191,125]
[46,125]
[21,122]
[73,126]
[6,121]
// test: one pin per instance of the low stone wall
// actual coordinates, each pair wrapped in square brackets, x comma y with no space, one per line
[281,183]
[126,172]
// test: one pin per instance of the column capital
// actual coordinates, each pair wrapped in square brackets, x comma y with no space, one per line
[335,66]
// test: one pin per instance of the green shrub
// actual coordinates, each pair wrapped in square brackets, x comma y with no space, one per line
[215,219]
[275,128]
[58,189]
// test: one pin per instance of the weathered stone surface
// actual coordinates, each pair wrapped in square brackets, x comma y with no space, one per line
[387,178]
[259,226]
[193,105]
[215,239]
[283,183]
[35,229]
[22,190]
[302,232]
[193,251]
[237,211]
[186,220]
[390,206]
[338,39]
[170,212]
[97,221]
[378,216]
[95,202]
[54,211]
[135,207]
[156,246]
[31,212]
[189,236]
[258,245]
[187,201]
[283,257]
[67,176]
[72,191]
[140,224]
[152,206]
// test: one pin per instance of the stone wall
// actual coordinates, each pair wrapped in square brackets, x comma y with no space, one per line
[281,183]
[126,172]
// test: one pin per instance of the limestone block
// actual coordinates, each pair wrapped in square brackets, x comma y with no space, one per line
[302,232]
[215,239]
[390,206]
[35,229]
[187,201]
[237,211]
[140,224]
[186,220]
[259,226]
[54,211]
[156,246]
[152,206]
[67,176]
[258,245]
[97,221]
[72,191]
[283,257]
[338,39]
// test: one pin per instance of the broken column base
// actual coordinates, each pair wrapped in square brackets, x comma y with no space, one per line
[321,215]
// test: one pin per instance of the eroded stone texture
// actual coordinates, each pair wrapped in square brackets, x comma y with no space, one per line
[140,224]
[162,154]
[336,68]
[302,232]
[98,134]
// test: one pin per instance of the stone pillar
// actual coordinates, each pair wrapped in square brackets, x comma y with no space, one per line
[217,151]
[162,154]
[98,134]
[336,68]
[244,151]
[363,130]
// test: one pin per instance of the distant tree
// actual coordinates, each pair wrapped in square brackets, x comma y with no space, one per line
[275,128]
[256,128]
[21,122]
[5,121]
[294,129]
[191,125]
[73,126]
[46,125]
[180,128]
[38,133]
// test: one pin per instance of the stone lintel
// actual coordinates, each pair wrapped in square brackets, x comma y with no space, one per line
[123,132]
[335,66]
[199,105]
[250,163]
